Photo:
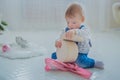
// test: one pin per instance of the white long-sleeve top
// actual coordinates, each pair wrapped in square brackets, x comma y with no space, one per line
[84,33]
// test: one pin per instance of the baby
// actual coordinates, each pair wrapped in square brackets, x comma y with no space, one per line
[75,18]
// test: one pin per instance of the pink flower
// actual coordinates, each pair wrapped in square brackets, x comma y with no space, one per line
[5,48]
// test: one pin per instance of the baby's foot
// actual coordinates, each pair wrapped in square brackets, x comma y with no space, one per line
[99,64]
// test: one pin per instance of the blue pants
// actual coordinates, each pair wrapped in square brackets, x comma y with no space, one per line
[82,60]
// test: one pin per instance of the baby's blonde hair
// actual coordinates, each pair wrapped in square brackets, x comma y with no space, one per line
[73,10]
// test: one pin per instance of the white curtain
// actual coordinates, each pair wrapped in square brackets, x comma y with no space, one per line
[34,14]
[49,14]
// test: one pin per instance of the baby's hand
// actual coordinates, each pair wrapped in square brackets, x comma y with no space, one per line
[69,34]
[58,44]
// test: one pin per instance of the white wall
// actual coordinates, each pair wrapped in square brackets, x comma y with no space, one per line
[49,14]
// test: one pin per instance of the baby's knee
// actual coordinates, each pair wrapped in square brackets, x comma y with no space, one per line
[86,62]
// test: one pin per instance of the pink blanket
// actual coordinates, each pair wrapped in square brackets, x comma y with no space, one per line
[52,64]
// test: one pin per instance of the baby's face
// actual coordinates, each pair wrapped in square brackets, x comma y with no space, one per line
[74,22]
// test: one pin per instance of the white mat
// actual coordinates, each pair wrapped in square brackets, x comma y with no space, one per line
[16,52]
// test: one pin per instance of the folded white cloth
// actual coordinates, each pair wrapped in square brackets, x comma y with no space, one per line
[22,51]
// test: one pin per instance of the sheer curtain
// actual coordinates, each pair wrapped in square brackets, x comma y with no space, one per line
[43,14]
[34,14]
[49,14]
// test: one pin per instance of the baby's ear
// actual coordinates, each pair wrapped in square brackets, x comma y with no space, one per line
[83,19]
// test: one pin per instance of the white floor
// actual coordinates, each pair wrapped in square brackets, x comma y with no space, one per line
[106,47]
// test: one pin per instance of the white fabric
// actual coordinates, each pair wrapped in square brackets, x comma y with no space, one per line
[16,52]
